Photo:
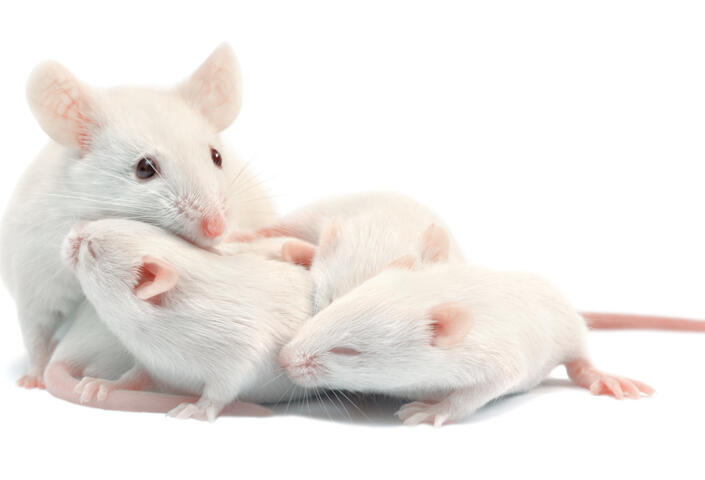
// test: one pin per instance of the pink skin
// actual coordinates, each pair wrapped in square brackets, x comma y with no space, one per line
[158,277]
[71,108]
[96,393]
[31,381]
[213,226]
[609,321]
[585,375]
[35,380]
[298,252]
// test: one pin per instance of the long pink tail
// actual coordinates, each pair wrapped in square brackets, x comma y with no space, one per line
[60,382]
[605,321]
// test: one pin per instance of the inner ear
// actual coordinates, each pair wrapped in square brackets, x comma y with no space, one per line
[435,245]
[215,88]
[298,252]
[64,107]
[156,277]
[450,323]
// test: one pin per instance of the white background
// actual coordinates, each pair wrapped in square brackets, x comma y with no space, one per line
[561,137]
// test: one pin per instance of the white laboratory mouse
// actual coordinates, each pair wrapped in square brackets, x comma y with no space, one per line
[194,320]
[149,154]
[451,337]
[348,239]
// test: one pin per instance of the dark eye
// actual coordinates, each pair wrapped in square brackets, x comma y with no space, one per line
[217,159]
[146,168]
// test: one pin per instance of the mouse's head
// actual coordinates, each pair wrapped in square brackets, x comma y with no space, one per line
[335,261]
[122,263]
[149,154]
[389,333]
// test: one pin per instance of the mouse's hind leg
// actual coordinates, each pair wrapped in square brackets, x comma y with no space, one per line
[584,374]
[455,406]
[214,398]
[38,328]
[90,388]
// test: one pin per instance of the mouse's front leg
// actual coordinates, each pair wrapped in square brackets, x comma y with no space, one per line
[456,405]
[134,379]
[204,409]
[213,399]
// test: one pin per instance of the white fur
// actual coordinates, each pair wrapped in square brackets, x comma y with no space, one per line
[521,328]
[216,333]
[371,231]
[90,174]
[518,321]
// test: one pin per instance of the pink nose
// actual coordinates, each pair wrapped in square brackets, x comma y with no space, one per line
[213,226]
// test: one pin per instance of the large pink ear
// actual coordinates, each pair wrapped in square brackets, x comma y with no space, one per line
[330,234]
[63,106]
[450,323]
[215,89]
[298,252]
[435,245]
[156,277]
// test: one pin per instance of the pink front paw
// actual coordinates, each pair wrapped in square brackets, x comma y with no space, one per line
[414,413]
[204,409]
[90,387]
[31,381]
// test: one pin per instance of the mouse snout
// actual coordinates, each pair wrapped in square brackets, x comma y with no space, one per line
[213,225]
[74,243]
[299,366]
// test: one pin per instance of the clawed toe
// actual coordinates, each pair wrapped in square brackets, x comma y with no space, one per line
[31,381]
[90,388]
[416,413]
[584,374]
[188,410]
[619,387]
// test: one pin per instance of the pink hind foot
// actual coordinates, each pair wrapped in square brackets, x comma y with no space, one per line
[31,381]
[89,388]
[585,375]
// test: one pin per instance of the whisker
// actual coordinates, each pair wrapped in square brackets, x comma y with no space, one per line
[353,404]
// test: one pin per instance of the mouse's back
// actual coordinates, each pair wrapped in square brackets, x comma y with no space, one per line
[361,243]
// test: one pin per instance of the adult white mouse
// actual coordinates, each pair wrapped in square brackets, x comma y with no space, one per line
[451,337]
[148,154]
[348,239]
[194,320]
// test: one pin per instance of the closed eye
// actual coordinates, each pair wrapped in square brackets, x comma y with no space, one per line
[344,351]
